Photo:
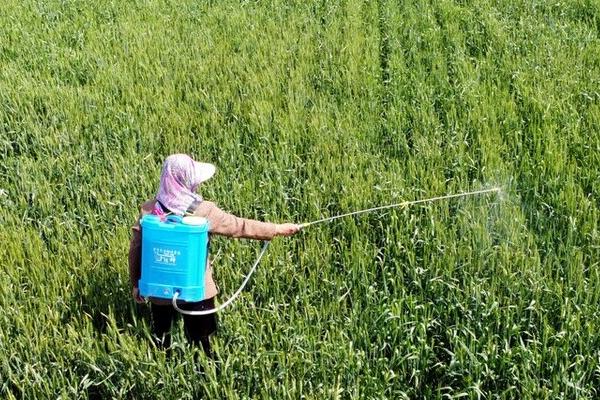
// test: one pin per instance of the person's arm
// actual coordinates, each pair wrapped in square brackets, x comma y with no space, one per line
[135,261]
[222,223]
[135,253]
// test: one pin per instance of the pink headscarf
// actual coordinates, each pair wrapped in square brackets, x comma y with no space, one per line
[179,180]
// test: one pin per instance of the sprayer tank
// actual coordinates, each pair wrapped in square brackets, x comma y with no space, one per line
[174,255]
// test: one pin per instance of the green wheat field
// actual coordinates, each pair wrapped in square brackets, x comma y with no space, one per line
[309,109]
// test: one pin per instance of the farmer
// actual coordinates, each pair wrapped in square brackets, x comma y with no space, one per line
[177,194]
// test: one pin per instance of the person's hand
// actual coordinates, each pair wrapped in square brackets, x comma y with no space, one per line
[287,229]
[135,292]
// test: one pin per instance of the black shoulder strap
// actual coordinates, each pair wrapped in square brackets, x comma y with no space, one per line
[193,206]
[165,209]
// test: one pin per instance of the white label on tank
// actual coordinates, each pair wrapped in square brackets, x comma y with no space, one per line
[165,256]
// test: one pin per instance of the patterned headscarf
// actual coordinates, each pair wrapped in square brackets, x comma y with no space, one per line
[179,180]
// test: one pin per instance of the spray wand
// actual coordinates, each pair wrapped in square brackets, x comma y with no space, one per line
[319,221]
[403,204]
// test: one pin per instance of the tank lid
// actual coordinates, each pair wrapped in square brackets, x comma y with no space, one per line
[194,221]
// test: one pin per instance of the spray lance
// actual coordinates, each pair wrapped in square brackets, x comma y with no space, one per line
[320,221]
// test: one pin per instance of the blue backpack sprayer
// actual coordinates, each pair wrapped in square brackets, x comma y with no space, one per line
[175,252]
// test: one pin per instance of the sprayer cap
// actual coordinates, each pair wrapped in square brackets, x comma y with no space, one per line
[194,221]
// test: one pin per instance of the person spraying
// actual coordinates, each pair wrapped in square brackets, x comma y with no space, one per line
[178,195]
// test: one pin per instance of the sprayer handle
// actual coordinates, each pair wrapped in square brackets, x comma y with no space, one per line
[174,218]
